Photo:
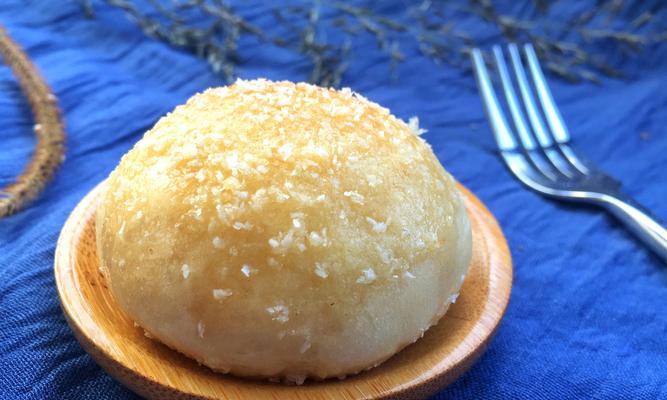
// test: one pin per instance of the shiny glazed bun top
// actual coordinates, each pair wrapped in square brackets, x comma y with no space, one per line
[275,229]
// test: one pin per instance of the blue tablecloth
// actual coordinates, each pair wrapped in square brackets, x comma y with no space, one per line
[588,312]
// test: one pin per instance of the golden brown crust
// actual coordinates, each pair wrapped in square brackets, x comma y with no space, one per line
[277,229]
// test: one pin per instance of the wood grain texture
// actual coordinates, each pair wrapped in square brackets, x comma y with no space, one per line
[155,371]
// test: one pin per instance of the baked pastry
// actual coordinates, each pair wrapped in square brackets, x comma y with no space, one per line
[284,231]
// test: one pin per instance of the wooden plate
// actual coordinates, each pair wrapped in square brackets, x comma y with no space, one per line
[155,371]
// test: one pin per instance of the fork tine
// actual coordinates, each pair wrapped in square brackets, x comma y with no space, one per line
[517,115]
[518,163]
[526,139]
[501,131]
[527,96]
[554,119]
[543,135]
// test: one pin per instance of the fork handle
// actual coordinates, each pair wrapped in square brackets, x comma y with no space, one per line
[645,227]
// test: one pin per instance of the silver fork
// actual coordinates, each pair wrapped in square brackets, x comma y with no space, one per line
[541,157]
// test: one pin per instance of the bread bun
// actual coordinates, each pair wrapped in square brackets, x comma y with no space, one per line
[281,230]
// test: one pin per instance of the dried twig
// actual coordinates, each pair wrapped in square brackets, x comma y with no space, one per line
[211,29]
[50,149]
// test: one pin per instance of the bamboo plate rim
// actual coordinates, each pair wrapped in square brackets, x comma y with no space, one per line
[446,351]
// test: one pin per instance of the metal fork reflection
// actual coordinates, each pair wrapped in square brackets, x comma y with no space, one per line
[536,146]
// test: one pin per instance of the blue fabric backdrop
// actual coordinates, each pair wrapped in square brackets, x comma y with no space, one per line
[587,316]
